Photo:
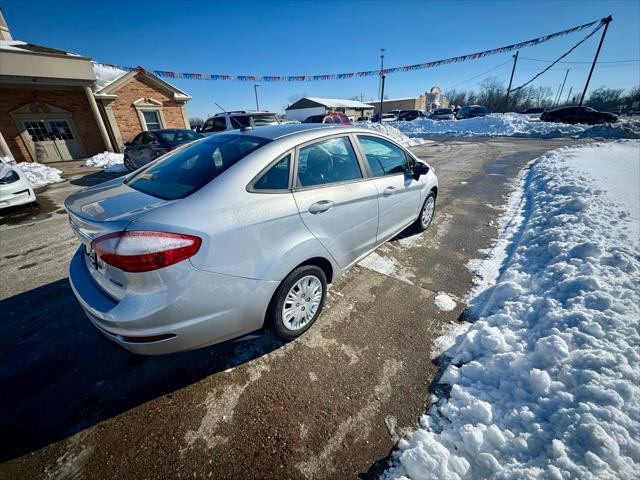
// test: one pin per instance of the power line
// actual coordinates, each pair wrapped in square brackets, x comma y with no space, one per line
[476,76]
[560,57]
[588,63]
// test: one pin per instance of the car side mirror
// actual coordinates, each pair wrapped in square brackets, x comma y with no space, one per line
[419,169]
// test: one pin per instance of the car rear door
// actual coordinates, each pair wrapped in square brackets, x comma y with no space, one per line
[336,201]
[399,192]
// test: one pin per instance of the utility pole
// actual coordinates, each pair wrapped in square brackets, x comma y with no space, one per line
[555,99]
[562,88]
[381,97]
[255,91]
[568,96]
[607,21]
[381,68]
[513,70]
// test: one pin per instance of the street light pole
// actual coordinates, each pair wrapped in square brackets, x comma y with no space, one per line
[562,88]
[255,91]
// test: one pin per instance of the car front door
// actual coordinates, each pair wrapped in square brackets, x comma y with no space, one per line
[336,201]
[398,191]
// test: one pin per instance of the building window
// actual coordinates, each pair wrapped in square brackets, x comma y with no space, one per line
[152,119]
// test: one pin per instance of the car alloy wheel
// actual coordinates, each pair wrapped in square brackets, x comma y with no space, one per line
[427,212]
[128,165]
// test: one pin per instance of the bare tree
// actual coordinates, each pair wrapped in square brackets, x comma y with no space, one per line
[604,98]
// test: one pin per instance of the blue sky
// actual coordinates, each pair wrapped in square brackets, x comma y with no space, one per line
[313,37]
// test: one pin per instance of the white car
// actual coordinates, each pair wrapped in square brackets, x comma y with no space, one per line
[15,188]
[388,117]
[443,114]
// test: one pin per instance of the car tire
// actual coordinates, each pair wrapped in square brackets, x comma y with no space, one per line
[127,164]
[427,212]
[289,319]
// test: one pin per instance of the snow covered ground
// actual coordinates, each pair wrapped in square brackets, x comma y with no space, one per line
[108,161]
[545,384]
[517,125]
[38,174]
[392,132]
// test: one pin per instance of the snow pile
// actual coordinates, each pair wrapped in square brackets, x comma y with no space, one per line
[517,125]
[108,161]
[444,302]
[392,132]
[39,175]
[546,383]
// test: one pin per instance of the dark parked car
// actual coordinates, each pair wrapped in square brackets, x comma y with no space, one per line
[147,146]
[472,111]
[409,115]
[529,111]
[578,115]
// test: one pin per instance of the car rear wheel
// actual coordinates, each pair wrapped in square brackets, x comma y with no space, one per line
[297,302]
[427,212]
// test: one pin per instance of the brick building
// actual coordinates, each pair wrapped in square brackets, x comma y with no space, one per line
[55,105]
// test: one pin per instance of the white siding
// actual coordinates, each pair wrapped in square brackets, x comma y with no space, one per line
[303,113]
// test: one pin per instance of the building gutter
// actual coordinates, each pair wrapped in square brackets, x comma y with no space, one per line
[98,117]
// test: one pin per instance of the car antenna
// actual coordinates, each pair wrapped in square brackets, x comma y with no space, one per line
[242,127]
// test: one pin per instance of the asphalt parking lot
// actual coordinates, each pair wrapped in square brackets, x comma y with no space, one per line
[328,405]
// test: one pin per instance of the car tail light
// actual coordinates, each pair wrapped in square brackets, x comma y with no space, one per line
[143,251]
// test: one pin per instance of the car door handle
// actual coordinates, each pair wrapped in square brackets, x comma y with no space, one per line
[388,191]
[321,206]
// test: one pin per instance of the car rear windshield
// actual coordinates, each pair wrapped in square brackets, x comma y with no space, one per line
[192,167]
[176,137]
[241,121]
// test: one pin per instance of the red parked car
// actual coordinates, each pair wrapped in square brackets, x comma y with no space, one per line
[330,118]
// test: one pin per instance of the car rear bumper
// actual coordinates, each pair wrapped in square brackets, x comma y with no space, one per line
[209,308]
[12,196]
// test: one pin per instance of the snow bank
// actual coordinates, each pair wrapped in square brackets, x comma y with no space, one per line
[109,161]
[517,125]
[546,383]
[105,75]
[392,132]
[38,175]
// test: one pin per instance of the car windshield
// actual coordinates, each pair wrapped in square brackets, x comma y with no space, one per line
[259,120]
[192,167]
[176,137]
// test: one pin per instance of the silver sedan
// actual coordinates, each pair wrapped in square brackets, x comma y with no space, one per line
[239,231]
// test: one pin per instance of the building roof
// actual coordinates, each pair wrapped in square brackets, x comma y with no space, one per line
[396,99]
[110,79]
[20,46]
[330,102]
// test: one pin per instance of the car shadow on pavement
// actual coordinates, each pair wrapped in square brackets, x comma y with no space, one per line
[58,375]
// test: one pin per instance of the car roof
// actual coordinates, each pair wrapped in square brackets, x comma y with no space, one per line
[163,130]
[274,132]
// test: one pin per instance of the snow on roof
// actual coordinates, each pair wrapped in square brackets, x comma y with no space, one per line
[20,46]
[339,103]
[105,75]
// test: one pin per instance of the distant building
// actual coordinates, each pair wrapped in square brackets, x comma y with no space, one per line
[428,101]
[58,106]
[308,106]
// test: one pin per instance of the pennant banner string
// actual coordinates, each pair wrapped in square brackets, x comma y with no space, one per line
[367,73]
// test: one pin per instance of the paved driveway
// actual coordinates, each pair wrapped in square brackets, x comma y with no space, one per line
[329,405]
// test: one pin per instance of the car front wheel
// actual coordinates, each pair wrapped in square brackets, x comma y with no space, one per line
[297,302]
[128,165]
[427,212]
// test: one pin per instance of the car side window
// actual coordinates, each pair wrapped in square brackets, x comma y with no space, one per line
[328,161]
[328,120]
[219,124]
[208,125]
[138,139]
[383,157]
[148,138]
[276,178]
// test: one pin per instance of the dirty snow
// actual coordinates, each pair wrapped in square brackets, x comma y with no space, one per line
[444,302]
[545,383]
[392,132]
[517,125]
[108,161]
[39,175]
